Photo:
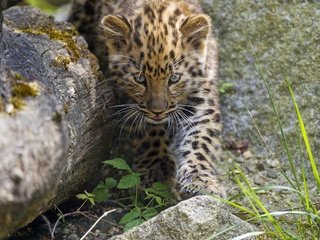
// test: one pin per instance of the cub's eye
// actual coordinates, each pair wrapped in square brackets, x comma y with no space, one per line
[175,77]
[140,78]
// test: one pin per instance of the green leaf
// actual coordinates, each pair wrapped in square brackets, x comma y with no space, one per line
[128,181]
[101,194]
[149,213]
[157,198]
[91,200]
[110,183]
[167,194]
[160,186]
[88,194]
[82,196]
[130,216]
[132,224]
[225,87]
[118,163]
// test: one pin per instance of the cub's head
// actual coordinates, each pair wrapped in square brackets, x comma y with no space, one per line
[157,57]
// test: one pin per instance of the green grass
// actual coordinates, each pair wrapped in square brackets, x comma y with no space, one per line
[302,221]
[43,5]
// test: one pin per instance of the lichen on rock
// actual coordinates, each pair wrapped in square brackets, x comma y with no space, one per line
[66,36]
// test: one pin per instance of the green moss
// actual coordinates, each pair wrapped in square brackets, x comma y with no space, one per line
[18,76]
[22,89]
[17,102]
[61,61]
[65,36]
[2,104]
[66,108]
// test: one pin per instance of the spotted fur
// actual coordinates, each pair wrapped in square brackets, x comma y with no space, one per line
[162,60]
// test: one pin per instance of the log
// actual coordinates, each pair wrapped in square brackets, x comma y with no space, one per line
[54,108]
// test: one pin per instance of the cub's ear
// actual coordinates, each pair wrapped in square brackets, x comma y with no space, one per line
[195,30]
[117,29]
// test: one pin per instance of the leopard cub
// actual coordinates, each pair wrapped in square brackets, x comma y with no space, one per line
[162,60]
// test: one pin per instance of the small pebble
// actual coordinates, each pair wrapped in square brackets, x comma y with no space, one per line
[102,236]
[9,108]
[273,163]
[272,173]
[233,192]
[251,168]
[73,236]
[223,177]
[247,155]
[276,198]
[239,159]
[259,180]
[260,167]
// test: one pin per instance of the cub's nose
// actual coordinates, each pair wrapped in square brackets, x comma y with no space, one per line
[156,111]
[157,106]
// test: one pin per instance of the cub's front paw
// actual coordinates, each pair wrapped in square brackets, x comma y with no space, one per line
[203,185]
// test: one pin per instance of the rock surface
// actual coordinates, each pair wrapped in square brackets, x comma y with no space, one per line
[284,39]
[27,179]
[72,103]
[197,218]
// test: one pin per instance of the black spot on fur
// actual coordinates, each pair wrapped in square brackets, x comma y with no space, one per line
[195,145]
[165,29]
[197,100]
[89,8]
[194,133]
[162,133]
[207,139]
[203,167]
[177,12]
[153,153]
[171,54]
[209,112]
[217,118]
[205,148]
[204,121]
[200,156]
[211,102]
[149,12]
[213,132]
[146,30]
[137,23]
[153,133]
[161,9]
[155,161]
[185,153]
[141,55]
[156,143]
[145,145]
[137,40]
[194,171]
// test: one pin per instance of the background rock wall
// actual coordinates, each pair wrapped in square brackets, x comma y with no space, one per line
[284,37]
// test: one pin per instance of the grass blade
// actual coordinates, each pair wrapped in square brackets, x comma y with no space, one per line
[247,235]
[284,139]
[305,137]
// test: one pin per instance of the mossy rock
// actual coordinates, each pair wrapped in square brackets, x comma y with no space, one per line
[276,40]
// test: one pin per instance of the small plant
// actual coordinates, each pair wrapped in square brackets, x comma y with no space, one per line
[143,204]
[86,196]
[225,87]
